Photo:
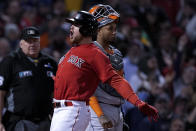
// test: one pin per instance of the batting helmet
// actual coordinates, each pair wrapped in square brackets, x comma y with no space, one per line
[87,23]
[104,14]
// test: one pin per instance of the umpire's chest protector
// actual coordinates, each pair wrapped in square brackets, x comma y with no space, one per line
[29,84]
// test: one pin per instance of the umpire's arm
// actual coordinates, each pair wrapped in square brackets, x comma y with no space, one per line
[5,79]
[2,96]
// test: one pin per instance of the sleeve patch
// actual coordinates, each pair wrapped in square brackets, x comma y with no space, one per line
[1,80]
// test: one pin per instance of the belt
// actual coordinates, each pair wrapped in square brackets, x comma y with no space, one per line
[115,105]
[66,103]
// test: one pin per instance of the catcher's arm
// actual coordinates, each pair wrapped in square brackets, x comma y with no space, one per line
[104,121]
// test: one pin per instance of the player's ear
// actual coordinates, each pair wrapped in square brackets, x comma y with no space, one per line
[21,42]
[98,30]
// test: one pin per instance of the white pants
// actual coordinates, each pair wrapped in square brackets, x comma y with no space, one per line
[113,113]
[71,118]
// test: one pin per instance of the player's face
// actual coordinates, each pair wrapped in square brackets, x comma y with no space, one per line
[108,32]
[75,36]
[31,47]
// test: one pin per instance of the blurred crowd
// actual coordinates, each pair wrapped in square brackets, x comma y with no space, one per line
[157,39]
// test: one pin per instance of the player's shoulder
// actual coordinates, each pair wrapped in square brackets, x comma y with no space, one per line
[93,46]
[94,49]
[95,52]
[98,50]
[8,60]
[116,51]
[14,55]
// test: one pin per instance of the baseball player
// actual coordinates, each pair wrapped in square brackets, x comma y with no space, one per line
[106,102]
[78,75]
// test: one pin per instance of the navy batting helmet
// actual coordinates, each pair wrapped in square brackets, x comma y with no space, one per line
[86,21]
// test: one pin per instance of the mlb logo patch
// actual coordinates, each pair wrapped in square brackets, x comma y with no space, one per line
[25,74]
[48,65]
[1,80]
[30,32]
[50,74]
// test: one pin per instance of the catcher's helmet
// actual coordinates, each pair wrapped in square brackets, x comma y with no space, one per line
[104,14]
[86,21]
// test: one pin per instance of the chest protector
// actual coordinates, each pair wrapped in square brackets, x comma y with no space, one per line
[116,60]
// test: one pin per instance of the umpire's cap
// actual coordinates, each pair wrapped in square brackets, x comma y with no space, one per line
[30,32]
[86,21]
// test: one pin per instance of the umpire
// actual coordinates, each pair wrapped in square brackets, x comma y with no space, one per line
[26,86]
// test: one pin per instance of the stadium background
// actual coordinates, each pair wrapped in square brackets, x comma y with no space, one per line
[157,39]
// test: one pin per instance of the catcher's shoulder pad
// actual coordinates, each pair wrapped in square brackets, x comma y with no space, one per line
[116,58]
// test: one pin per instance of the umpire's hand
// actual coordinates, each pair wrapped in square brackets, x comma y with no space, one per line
[105,122]
[2,128]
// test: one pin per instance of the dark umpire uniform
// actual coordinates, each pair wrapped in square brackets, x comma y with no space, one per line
[29,86]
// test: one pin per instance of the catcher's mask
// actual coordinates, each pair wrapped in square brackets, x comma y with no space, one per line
[87,23]
[104,14]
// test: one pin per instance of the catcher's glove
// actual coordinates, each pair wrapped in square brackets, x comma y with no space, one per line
[105,122]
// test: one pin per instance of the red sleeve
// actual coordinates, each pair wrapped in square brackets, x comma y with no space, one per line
[106,73]
[102,67]
[124,89]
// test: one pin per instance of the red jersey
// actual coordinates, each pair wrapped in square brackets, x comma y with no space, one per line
[80,72]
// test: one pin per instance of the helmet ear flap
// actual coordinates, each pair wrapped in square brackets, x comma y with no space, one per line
[88,23]
[90,29]
[84,30]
